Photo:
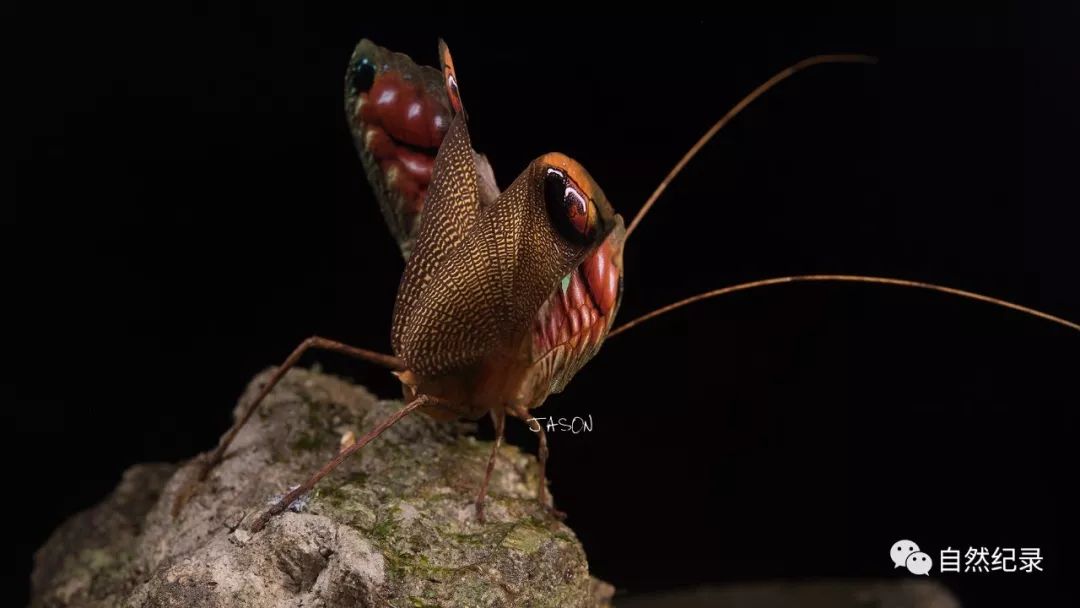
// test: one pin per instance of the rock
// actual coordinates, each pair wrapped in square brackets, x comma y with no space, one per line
[393,526]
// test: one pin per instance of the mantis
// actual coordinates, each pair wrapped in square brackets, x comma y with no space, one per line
[506,293]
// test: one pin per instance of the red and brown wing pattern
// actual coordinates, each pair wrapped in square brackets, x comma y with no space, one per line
[399,114]
[484,266]
[574,321]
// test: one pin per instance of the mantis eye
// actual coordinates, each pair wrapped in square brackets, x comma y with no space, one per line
[363,75]
[569,208]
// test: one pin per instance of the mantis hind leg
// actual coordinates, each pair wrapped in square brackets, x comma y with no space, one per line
[542,455]
[499,418]
[208,463]
[307,486]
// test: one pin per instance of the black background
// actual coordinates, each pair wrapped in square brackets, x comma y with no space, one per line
[190,206]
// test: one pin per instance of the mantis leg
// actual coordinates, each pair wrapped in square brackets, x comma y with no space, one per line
[542,455]
[499,418]
[215,457]
[307,486]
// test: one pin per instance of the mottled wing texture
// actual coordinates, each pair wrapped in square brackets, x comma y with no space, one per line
[399,114]
[453,205]
[481,298]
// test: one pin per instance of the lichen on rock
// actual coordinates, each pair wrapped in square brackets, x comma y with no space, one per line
[393,526]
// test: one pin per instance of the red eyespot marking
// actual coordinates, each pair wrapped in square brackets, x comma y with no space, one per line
[404,110]
[403,128]
[418,164]
[575,319]
[602,277]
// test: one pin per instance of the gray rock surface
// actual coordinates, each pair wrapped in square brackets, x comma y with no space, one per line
[393,526]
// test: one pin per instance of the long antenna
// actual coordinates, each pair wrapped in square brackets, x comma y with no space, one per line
[849,278]
[761,89]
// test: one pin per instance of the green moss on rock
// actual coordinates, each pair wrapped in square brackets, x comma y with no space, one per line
[392,527]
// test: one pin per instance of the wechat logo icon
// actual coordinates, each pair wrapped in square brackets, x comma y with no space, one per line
[906,554]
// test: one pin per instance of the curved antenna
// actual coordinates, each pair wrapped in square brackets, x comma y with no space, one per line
[765,86]
[761,89]
[850,278]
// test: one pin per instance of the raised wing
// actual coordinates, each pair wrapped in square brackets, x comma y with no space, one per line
[399,115]
[499,284]
[453,205]
[478,306]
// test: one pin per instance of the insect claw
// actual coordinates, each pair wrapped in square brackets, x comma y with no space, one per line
[296,505]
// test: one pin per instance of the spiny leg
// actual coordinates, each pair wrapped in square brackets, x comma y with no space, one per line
[499,418]
[541,493]
[307,486]
[215,457]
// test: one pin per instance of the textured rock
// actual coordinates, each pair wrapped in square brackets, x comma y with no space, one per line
[393,526]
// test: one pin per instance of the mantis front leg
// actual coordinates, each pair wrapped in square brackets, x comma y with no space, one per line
[207,464]
[307,486]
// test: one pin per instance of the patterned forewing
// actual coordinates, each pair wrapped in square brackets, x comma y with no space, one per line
[481,299]
[451,209]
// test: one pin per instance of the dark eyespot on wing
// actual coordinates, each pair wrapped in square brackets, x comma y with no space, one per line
[363,75]
[567,206]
